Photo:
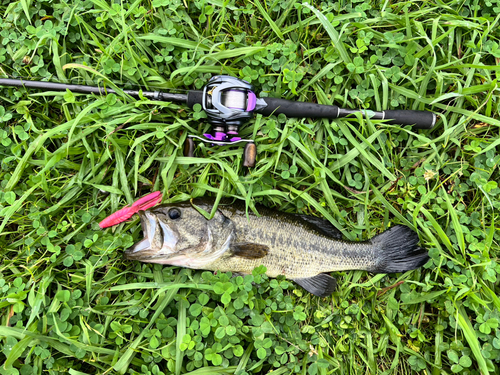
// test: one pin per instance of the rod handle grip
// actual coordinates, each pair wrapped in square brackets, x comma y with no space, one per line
[419,119]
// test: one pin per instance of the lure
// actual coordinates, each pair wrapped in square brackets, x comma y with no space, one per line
[126,213]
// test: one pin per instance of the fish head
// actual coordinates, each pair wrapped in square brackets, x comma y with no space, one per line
[178,234]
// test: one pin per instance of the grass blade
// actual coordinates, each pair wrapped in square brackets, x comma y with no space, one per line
[334,35]
[125,360]
[181,331]
[273,25]
[466,326]
[456,222]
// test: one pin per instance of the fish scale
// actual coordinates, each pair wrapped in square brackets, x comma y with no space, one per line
[295,250]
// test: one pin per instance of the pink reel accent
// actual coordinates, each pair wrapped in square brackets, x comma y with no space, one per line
[126,213]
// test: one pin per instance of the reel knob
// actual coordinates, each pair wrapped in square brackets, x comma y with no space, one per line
[249,155]
[189,147]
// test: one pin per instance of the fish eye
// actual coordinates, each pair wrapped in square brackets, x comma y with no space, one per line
[174,213]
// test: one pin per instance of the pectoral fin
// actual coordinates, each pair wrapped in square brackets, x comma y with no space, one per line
[321,285]
[249,250]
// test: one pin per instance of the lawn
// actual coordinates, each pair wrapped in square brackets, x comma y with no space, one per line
[70,303]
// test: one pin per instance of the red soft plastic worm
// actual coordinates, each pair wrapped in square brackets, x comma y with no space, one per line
[126,213]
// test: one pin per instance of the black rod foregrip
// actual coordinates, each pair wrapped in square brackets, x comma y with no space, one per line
[298,109]
[194,97]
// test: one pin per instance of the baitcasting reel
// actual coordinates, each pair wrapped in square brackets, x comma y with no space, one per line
[228,102]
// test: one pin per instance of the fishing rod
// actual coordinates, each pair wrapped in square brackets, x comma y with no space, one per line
[229,102]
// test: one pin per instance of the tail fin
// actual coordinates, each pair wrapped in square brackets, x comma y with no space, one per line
[398,250]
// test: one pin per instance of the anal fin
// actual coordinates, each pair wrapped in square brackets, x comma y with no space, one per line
[321,285]
[249,250]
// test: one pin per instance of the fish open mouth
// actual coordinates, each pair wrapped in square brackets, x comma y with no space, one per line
[159,240]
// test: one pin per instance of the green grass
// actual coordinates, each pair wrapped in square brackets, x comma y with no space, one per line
[69,303]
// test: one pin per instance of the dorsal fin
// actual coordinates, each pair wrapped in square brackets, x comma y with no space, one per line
[249,250]
[321,225]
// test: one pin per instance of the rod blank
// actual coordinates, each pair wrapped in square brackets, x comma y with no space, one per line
[153,95]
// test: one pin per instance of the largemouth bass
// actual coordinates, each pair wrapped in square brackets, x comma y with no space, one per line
[302,248]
